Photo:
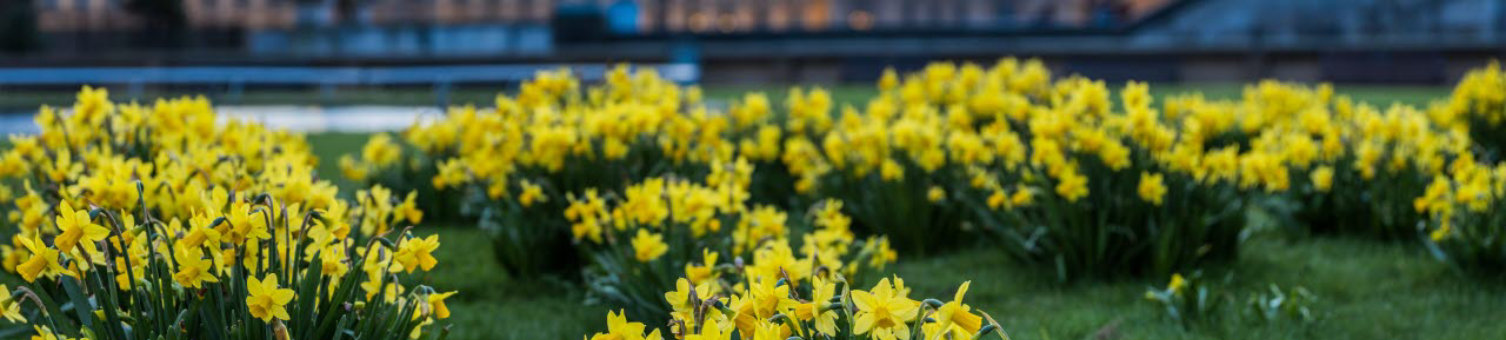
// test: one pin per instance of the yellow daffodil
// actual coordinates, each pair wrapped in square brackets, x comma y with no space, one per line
[819,310]
[618,328]
[1322,178]
[936,194]
[77,228]
[710,331]
[532,194]
[1072,186]
[1177,283]
[955,314]
[43,260]
[700,272]
[265,300]
[10,308]
[408,210]
[418,253]
[1152,188]
[44,333]
[193,269]
[436,304]
[683,305]
[883,312]
[770,331]
[648,246]
[998,199]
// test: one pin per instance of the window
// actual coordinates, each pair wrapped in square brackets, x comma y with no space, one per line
[816,15]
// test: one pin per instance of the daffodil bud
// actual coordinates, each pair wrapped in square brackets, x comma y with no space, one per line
[984,331]
[723,307]
[216,222]
[279,331]
[385,242]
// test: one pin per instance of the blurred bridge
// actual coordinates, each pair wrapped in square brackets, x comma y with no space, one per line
[823,41]
[237,78]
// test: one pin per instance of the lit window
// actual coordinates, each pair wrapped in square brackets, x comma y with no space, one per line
[700,21]
[778,16]
[816,14]
[726,23]
[860,20]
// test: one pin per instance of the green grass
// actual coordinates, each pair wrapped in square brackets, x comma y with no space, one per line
[329,147]
[1366,290]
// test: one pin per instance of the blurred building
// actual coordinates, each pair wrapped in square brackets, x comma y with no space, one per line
[802,40]
[699,16]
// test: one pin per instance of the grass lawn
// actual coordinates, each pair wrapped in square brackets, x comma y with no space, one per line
[1366,290]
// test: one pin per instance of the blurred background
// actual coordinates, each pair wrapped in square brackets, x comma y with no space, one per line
[392,58]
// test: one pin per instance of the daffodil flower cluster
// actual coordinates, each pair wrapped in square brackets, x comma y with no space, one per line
[515,162]
[1478,103]
[1089,188]
[1063,173]
[899,158]
[1353,167]
[384,163]
[1462,199]
[774,307]
[1049,165]
[638,241]
[163,221]
[1464,228]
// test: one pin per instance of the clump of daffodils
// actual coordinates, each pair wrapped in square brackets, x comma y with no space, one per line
[164,221]
[1461,199]
[1353,167]
[1464,227]
[1068,181]
[1090,188]
[639,240]
[1063,174]
[513,163]
[758,306]
[387,162]
[898,156]
[1478,104]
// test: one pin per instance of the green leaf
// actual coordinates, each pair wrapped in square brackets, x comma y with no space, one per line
[310,291]
[81,304]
